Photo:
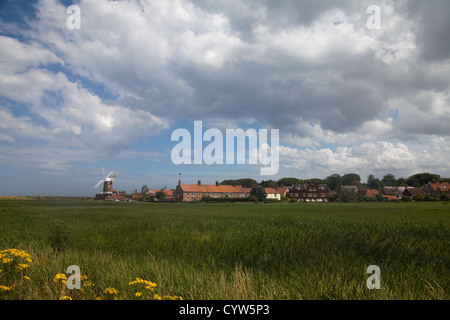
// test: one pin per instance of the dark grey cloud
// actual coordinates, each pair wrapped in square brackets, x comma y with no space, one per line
[432,24]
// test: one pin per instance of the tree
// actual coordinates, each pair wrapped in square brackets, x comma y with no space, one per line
[348,178]
[288,182]
[389,180]
[160,195]
[413,181]
[347,195]
[401,182]
[144,189]
[258,192]
[423,178]
[372,182]
[245,182]
[334,181]
[269,184]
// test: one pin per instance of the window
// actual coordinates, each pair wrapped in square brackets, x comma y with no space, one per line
[322,195]
[296,195]
[309,195]
[314,194]
[304,195]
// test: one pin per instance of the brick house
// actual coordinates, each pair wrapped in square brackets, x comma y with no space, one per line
[392,193]
[195,192]
[310,192]
[435,189]
[411,191]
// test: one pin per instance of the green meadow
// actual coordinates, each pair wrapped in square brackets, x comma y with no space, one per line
[283,251]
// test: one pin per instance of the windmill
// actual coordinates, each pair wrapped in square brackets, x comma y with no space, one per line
[107,182]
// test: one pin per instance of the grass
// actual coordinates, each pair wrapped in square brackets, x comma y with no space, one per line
[234,251]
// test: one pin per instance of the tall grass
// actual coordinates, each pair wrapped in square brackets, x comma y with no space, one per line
[236,251]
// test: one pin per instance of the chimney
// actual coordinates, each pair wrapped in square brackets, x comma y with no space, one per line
[179,182]
[199,182]
[217,183]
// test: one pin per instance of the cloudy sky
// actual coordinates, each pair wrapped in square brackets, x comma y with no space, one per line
[345,97]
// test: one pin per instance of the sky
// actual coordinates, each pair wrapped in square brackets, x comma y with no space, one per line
[345,96]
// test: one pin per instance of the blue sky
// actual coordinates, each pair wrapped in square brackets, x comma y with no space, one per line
[345,98]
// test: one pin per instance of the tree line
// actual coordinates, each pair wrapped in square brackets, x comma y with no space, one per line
[336,181]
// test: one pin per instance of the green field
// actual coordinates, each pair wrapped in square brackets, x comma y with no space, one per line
[230,251]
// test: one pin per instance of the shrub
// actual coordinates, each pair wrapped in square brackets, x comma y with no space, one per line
[407,199]
[444,197]
[58,237]
[418,197]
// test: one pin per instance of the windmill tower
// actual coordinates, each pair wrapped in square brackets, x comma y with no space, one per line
[107,185]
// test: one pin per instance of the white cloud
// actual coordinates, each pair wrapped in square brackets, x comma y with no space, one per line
[379,157]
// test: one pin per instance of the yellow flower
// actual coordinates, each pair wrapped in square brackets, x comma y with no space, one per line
[65,298]
[138,294]
[146,283]
[60,277]
[6,288]
[172,297]
[22,266]
[156,297]
[26,278]
[110,291]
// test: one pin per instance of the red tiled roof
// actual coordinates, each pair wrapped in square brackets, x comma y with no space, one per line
[440,186]
[413,191]
[211,188]
[390,197]
[272,190]
[371,192]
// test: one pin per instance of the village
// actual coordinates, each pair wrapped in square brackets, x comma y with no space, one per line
[310,191]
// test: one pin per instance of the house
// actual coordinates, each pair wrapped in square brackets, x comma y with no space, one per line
[435,189]
[137,196]
[115,197]
[195,192]
[392,193]
[371,192]
[168,194]
[310,192]
[411,191]
[283,191]
[273,193]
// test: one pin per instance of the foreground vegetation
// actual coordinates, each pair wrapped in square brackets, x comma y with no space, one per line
[226,250]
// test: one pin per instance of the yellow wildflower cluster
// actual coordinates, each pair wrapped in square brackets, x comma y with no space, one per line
[8,255]
[60,277]
[65,298]
[6,288]
[148,286]
[111,291]
[13,263]
[167,297]
[143,283]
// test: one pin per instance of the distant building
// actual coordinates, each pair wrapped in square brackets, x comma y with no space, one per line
[371,192]
[392,193]
[195,192]
[273,193]
[411,191]
[310,192]
[435,189]
[168,194]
